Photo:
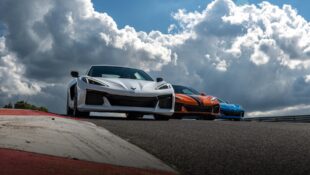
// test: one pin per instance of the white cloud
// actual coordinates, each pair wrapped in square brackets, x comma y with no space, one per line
[291,110]
[252,55]
[222,66]
[307,78]
[11,75]
[172,28]
[259,57]
[255,55]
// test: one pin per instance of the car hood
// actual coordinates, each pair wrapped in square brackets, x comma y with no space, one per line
[232,107]
[195,99]
[129,84]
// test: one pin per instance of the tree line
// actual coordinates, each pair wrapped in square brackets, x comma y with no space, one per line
[24,105]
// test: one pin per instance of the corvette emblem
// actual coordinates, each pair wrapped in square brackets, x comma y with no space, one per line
[132,88]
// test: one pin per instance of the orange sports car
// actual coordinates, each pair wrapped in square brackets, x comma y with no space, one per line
[189,102]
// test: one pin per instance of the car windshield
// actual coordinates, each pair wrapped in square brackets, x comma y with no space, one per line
[220,100]
[184,90]
[118,72]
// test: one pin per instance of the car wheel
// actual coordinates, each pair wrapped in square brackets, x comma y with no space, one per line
[175,116]
[210,117]
[76,112]
[69,110]
[133,116]
[161,117]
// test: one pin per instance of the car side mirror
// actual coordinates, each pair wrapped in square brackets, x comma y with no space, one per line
[75,74]
[203,94]
[159,79]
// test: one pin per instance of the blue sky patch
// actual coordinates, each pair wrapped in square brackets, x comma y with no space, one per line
[148,15]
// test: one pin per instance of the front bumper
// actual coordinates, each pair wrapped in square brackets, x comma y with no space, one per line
[184,109]
[99,99]
[228,114]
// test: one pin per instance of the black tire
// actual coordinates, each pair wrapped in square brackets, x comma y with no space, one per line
[69,110]
[76,112]
[134,116]
[175,116]
[83,114]
[161,117]
[210,117]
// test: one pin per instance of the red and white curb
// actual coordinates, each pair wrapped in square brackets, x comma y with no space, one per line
[50,141]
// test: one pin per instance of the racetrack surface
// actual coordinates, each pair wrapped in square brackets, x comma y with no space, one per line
[34,142]
[220,147]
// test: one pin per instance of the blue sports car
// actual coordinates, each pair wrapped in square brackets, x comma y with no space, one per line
[230,111]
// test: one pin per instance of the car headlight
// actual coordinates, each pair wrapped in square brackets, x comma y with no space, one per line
[93,82]
[163,86]
[213,99]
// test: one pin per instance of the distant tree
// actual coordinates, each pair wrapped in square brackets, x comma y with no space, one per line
[25,105]
[10,106]
[43,109]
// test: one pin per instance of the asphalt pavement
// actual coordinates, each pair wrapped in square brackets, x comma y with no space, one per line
[34,142]
[219,147]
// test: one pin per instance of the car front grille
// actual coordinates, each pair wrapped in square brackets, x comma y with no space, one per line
[191,108]
[117,100]
[198,108]
[96,98]
[233,113]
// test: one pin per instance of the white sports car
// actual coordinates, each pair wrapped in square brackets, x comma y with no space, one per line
[119,89]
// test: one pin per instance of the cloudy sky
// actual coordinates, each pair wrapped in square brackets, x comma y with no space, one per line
[254,53]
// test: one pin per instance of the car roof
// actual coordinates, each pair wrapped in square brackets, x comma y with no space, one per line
[109,65]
